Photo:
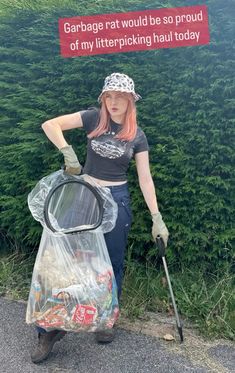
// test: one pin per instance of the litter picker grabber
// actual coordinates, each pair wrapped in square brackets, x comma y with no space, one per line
[161,246]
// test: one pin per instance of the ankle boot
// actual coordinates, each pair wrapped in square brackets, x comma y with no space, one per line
[45,345]
[105,336]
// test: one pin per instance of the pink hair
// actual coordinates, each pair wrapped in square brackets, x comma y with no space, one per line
[129,127]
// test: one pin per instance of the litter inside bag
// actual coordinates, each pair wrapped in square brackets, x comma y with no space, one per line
[73,286]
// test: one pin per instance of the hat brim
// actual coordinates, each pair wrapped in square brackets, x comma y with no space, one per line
[136,96]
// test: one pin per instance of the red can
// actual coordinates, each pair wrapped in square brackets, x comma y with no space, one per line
[84,314]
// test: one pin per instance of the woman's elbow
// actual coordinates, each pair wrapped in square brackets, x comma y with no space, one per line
[47,125]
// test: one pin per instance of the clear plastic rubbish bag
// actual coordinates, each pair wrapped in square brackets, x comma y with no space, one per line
[73,287]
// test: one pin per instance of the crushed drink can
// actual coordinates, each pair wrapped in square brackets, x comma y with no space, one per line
[84,314]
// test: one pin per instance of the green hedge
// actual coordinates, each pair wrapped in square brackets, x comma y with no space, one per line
[186,112]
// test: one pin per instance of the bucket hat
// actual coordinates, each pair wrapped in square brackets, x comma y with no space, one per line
[119,82]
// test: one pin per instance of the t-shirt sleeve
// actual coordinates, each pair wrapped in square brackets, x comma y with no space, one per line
[90,118]
[141,144]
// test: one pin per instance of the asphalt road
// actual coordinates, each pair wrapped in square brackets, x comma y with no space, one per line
[129,353]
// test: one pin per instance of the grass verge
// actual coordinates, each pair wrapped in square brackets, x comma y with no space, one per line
[15,275]
[208,300]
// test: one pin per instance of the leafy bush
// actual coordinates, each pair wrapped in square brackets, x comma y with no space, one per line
[186,111]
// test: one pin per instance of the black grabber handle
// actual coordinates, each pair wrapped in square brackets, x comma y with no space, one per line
[161,247]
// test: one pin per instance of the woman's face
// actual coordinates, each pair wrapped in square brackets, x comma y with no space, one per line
[116,103]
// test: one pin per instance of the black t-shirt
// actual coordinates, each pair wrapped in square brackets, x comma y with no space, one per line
[108,158]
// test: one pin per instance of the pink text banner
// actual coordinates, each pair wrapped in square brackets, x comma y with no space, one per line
[134,31]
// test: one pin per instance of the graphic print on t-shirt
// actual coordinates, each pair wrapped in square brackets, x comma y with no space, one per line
[108,147]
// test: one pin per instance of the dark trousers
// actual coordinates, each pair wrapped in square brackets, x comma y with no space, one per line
[116,240]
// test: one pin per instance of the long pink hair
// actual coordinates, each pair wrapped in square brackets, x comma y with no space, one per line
[129,126]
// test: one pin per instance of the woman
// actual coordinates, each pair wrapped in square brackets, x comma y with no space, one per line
[113,140]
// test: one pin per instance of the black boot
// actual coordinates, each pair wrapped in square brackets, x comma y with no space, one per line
[45,345]
[105,336]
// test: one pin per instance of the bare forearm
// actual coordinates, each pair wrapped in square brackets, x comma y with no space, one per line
[148,190]
[54,134]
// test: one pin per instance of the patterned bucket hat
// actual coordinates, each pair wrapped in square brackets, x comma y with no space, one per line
[119,82]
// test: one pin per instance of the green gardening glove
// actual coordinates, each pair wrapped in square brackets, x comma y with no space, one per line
[159,228]
[72,165]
